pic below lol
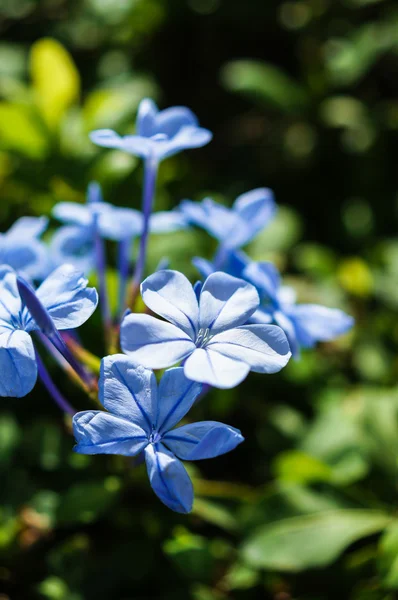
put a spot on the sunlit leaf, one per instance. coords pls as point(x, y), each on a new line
point(266, 83)
point(311, 541)
point(55, 78)
point(20, 132)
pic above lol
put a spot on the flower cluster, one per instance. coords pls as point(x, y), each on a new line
point(238, 318)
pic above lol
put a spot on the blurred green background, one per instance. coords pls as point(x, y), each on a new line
point(301, 97)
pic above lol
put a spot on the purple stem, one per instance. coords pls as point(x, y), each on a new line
point(46, 325)
point(148, 193)
point(220, 257)
point(52, 388)
point(57, 356)
point(63, 349)
point(124, 249)
point(100, 259)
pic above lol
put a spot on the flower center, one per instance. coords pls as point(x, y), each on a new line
point(204, 336)
point(155, 437)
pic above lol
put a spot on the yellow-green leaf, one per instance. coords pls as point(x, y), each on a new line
point(55, 78)
point(19, 131)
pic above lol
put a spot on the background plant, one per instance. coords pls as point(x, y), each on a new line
point(311, 114)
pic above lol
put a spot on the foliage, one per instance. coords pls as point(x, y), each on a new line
point(301, 97)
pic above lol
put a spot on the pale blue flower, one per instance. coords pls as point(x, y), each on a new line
point(232, 227)
point(304, 324)
point(160, 134)
point(142, 417)
point(209, 334)
point(68, 302)
point(74, 243)
point(22, 250)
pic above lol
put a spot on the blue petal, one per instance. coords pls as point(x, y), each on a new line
point(226, 302)
point(289, 327)
point(205, 439)
point(98, 432)
point(170, 295)
point(10, 301)
point(265, 277)
point(167, 222)
point(73, 245)
point(316, 323)
point(73, 213)
point(216, 219)
point(67, 298)
point(205, 267)
point(169, 479)
point(128, 390)
point(27, 227)
point(152, 342)
point(138, 145)
point(256, 209)
point(17, 364)
point(187, 137)
point(118, 224)
point(146, 115)
point(94, 194)
point(171, 120)
point(29, 257)
point(106, 138)
point(263, 347)
point(175, 397)
point(213, 368)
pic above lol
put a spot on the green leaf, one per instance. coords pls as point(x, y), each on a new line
point(215, 514)
point(85, 502)
point(311, 541)
point(266, 83)
point(21, 132)
point(388, 555)
point(300, 467)
point(55, 79)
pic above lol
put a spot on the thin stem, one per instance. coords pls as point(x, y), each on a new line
point(62, 348)
point(100, 259)
point(88, 358)
point(52, 388)
point(220, 257)
point(148, 193)
point(124, 249)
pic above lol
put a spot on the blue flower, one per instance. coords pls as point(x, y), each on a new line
point(209, 334)
point(160, 134)
point(69, 303)
point(232, 227)
point(75, 242)
point(304, 324)
point(234, 264)
point(141, 417)
point(22, 250)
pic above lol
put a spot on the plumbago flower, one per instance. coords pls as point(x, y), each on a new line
point(209, 333)
point(304, 324)
point(22, 250)
point(142, 417)
point(68, 303)
point(75, 242)
point(160, 134)
point(232, 227)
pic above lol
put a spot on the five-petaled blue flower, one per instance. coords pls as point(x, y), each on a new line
point(142, 417)
point(74, 243)
point(68, 301)
point(160, 134)
point(22, 250)
point(232, 227)
point(304, 324)
point(208, 333)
